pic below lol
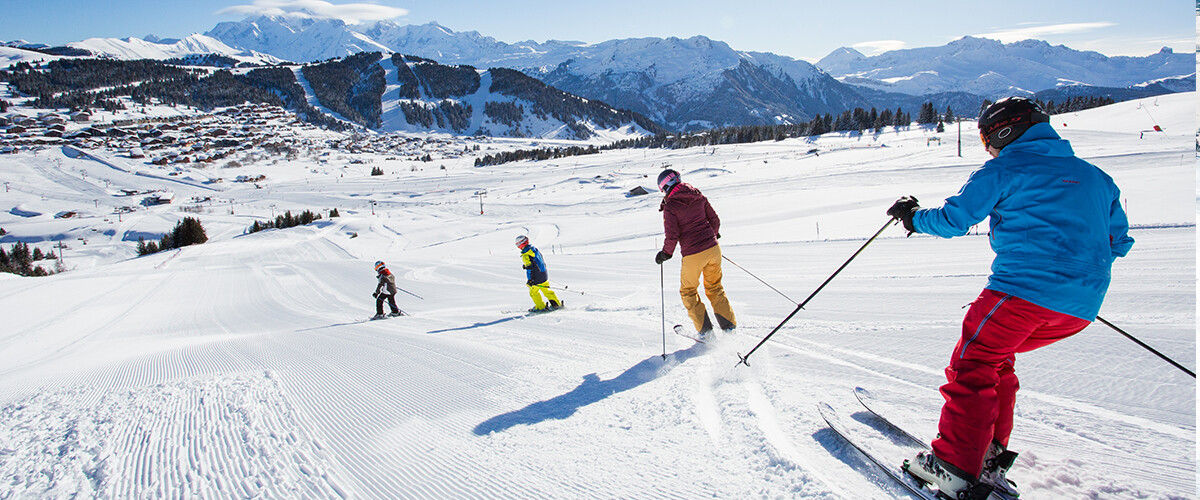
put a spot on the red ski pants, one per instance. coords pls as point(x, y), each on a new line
point(981, 386)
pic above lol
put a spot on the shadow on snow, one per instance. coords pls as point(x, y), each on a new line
point(478, 325)
point(591, 390)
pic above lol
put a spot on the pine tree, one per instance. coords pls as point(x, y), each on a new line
point(188, 231)
point(927, 115)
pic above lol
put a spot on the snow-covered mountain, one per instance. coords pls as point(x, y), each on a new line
point(298, 39)
point(992, 69)
point(684, 83)
point(697, 83)
point(155, 48)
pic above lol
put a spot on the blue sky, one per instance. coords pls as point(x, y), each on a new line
point(796, 28)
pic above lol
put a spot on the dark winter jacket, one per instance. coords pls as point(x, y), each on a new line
point(1056, 222)
point(689, 220)
point(387, 283)
point(535, 265)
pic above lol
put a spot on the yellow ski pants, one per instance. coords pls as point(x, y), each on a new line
point(536, 292)
point(708, 264)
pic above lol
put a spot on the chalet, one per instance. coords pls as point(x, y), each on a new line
point(159, 199)
point(81, 117)
point(17, 129)
point(137, 153)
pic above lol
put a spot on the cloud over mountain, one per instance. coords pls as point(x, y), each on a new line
point(350, 13)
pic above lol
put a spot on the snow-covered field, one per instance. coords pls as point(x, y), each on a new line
point(243, 368)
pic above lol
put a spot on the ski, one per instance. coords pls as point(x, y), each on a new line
point(683, 332)
point(869, 402)
point(531, 312)
point(387, 316)
point(893, 471)
point(872, 404)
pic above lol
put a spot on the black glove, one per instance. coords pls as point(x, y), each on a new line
point(376, 295)
point(718, 236)
point(527, 267)
point(529, 282)
point(661, 257)
point(903, 210)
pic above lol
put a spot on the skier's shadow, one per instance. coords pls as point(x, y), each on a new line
point(591, 390)
point(478, 325)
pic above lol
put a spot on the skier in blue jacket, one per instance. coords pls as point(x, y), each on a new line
point(1056, 227)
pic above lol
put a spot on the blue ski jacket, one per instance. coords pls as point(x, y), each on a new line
point(535, 265)
point(1056, 222)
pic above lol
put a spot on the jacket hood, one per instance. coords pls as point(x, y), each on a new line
point(1042, 140)
point(683, 193)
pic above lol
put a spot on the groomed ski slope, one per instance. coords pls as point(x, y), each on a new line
point(244, 368)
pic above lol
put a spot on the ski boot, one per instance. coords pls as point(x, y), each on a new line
point(554, 304)
point(995, 464)
point(378, 316)
point(706, 331)
point(725, 324)
point(396, 313)
point(950, 481)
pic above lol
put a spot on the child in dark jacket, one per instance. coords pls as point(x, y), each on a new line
point(385, 290)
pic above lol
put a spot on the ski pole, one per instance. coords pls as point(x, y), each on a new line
point(735, 264)
point(410, 293)
point(742, 360)
point(1148, 348)
point(564, 289)
point(662, 293)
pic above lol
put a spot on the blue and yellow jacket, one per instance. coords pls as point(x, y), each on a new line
point(535, 266)
point(1056, 222)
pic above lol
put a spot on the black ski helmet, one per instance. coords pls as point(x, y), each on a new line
point(667, 180)
point(1006, 119)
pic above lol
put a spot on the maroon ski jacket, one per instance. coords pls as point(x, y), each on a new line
point(689, 221)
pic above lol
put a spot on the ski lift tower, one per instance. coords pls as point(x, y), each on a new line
point(482, 193)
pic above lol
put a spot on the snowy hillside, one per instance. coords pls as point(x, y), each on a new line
point(243, 367)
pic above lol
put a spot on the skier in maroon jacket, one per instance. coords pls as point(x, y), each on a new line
point(690, 221)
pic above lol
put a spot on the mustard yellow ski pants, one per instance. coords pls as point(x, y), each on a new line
point(708, 264)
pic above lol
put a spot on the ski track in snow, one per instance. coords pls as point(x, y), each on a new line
point(245, 367)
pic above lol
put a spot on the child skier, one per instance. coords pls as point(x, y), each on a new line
point(385, 290)
point(536, 277)
point(1056, 228)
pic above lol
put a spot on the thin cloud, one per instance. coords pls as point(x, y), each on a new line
point(351, 13)
point(1039, 32)
point(878, 46)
